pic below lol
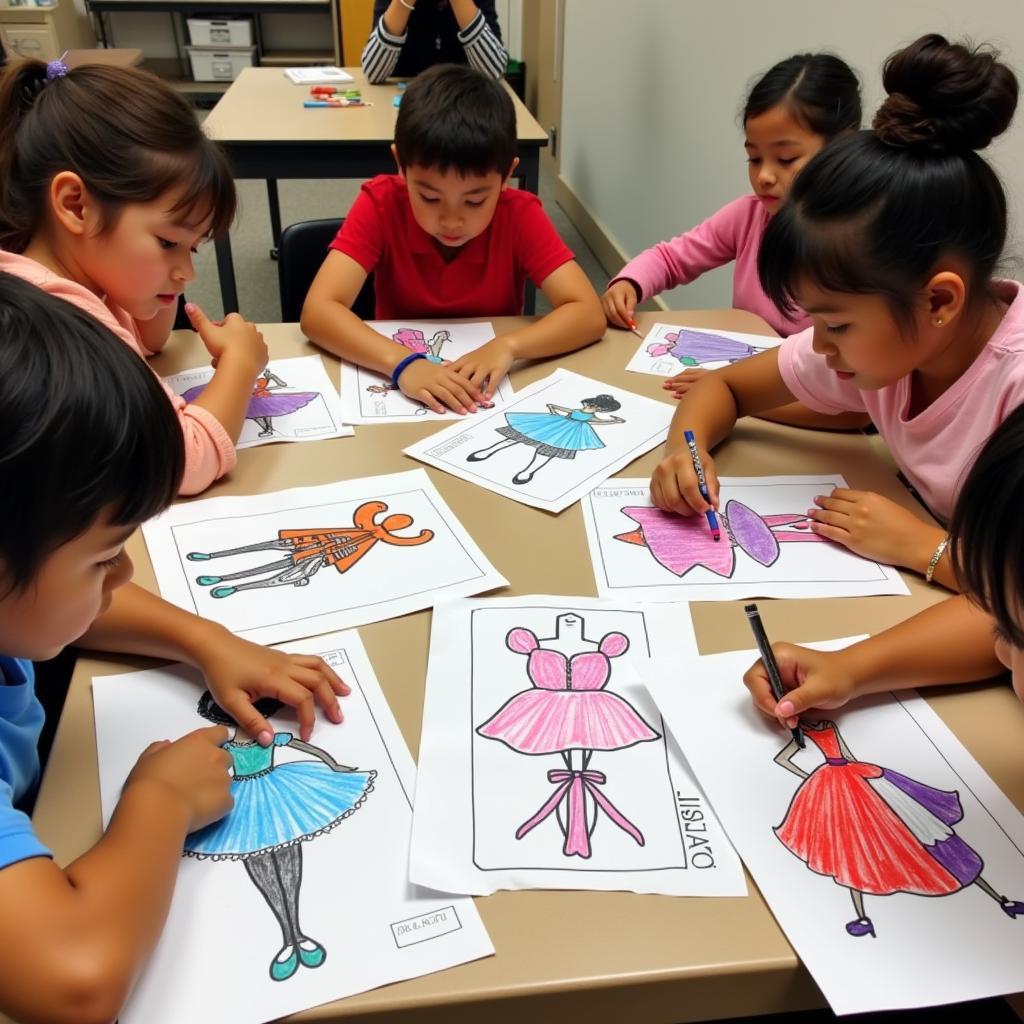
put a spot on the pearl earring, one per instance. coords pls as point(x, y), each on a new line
point(938, 321)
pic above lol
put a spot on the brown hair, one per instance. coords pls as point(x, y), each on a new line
point(129, 136)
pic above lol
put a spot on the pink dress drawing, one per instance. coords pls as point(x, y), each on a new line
point(568, 711)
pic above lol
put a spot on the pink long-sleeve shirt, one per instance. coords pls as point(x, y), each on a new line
point(734, 233)
point(209, 450)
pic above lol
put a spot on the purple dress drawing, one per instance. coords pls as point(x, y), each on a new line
point(264, 403)
point(694, 348)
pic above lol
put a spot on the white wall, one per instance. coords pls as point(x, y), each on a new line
point(651, 142)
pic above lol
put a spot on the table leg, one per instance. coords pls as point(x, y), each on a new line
point(275, 215)
point(226, 273)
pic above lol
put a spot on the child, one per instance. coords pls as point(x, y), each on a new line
point(107, 185)
point(888, 239)
point(446, 237)
point(90, 448)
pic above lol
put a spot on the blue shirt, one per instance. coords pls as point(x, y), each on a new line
point(21, 720)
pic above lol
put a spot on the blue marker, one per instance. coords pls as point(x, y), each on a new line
point(698, 468)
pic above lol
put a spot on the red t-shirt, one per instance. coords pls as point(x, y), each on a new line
point(411, 278)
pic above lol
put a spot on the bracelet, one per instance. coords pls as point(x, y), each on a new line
point(939, 552)
point(397, 371)
point(407, 6)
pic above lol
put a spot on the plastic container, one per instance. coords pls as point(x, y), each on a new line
point(220, 65)
point(220, 32)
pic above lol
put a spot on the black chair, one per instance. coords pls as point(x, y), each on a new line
point(301, 252)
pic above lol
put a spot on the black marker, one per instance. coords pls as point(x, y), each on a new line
point(761, 637)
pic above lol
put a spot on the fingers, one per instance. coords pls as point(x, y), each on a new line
point(154, 747)
point(240, 707)
point(296, 696)
point(340, 687)
point(215, 734)
point(196, 317)
point(612, 312)
point(424, 396)
point(318, 684)
point(711, 479)
point(756, 681)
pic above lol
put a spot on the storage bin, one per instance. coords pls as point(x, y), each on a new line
point(220, 65)
point(220, 32)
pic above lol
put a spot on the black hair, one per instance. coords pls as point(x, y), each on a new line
point(820, 91)
point(85, 427)
point(874, 211)
point(455, 116)
point(603, 403)
point(986, 533)
point(209, 709)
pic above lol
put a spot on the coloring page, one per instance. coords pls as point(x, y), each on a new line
point(292, 400)
point(558, 439)
point(892, 862)
point(300, 894)
point(368, 397)
point(339, 555)
point(543, 762)
point(766, 548)
point(669, 349)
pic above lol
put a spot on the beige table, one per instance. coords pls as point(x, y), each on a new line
point(567, 956)
point(268, 134)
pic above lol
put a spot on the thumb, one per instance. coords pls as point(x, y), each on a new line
point(239, 706)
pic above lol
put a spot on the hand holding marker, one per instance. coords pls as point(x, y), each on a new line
point(698, 468)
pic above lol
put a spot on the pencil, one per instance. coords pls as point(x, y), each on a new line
point(636, 330)
point(770, 665)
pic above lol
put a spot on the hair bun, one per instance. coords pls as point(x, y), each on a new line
point(945, 96)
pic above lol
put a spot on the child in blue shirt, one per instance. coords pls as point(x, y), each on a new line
point(89, 448)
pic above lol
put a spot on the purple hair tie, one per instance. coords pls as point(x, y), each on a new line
point(57, 68)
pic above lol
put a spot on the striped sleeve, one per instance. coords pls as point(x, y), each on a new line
point(381, 53)
point(483, 47)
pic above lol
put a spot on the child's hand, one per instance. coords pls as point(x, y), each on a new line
point(239, 672)
point(813, 679)
point(192, 769)
point(487, 365)
point(437, 386)
point(682, 382)
point(619, 304)
point(674, 484)
point(234, 335)
point(874, 527)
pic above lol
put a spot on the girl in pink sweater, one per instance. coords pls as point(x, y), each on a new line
point(107, 185)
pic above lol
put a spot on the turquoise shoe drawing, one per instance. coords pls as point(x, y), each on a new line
point(282, 970)
point(311, 957)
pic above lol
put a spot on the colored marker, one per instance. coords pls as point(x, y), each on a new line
point(333, 90)
point(636, 330)
point(335, 103)
point(770, 665)
point(698, 468)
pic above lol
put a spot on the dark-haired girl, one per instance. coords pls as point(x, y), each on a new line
point(889, 240)
point(107, 185)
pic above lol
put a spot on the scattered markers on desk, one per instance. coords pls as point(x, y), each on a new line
point(844, 860)
point(670, 349)
point(386, 545)
point(767, 549)
point(292, 400)
point(300, 894)
point(571, 780)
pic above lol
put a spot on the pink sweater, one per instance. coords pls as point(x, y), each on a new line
point(937, 447)
point(209, 451)
point(733, 233)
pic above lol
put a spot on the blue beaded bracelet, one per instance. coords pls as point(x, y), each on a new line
point(397, 371)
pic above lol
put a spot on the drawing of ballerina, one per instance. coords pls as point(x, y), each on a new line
point(416, 341)
point(265, 403)
point(681, 542)
point(309, 550)
point(568, 711)
point(558, 433)
point(875, 831)
point(277, 808)
point(694, 348)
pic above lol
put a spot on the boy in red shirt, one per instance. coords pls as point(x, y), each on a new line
point(446, 237)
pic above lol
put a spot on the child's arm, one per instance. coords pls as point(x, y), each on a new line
point(327, 319)
point(951, 642)
point(576, 319)
point(75, 939)
point(238, 672)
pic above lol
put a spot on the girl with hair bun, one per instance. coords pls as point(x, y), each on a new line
point(889, 240)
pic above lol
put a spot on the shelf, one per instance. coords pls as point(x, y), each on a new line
point(295, 58)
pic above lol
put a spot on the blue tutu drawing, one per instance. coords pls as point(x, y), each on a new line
point(278, 808)
point(558, 433)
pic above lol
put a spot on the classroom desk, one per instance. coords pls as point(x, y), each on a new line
point(266, 132)
point(567, 956)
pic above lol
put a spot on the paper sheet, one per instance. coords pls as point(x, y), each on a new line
point(293, 400)
point(560, 437)
point(910, 813)
point(295, 563)
point(368, 397)
point(641, 553)
point(527, 782)
point(669, 349)
point(363, 924)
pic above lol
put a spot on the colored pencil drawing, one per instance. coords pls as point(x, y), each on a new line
point(416, 341)
point(875, 831)
point(277, 808)
point(696, 348)
point(309, 550)
point(559, 433)
point(380, 394)
point(568, 711)
point(679, 543)
point(268, 401)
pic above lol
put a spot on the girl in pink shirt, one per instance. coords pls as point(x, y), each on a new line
point(107, 185)
point(888, 240)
